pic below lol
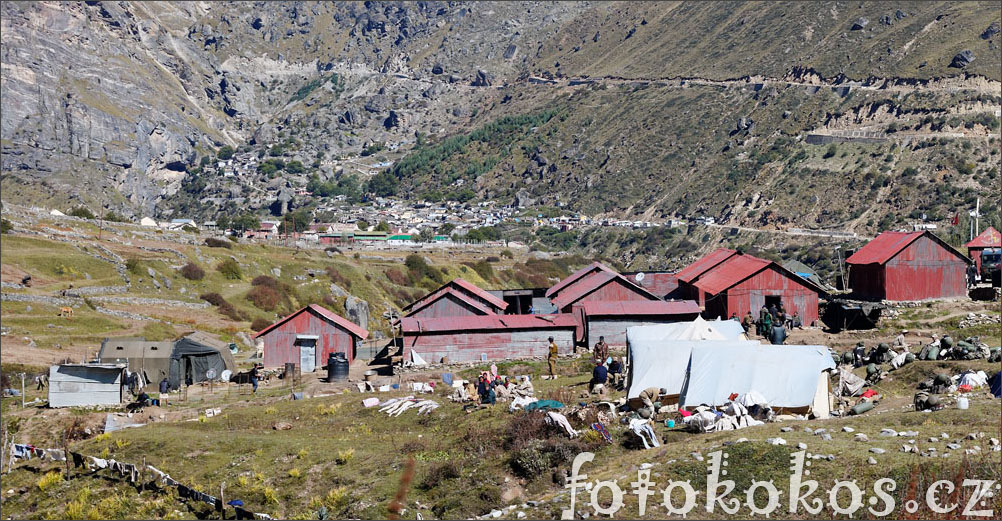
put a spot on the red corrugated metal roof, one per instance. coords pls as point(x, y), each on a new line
point(701, 266)
point(595, 266)
point(465, 286)
point(352, 327)
point(989, 238)
point(659, 284)
point(482, 293)
point(640, 307)
point(449, 290)
point(591, 283)
point(730, 272)
point(883, 247)
point(486, 322)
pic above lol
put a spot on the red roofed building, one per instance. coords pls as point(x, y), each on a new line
point(601, 284)
point(456, 298)
point(741, 283)
point(590, 269)
point(989, 238)
point(308, 336)
point(610, 319)
point(688, 275)
point(907, 266)
point(490, 337)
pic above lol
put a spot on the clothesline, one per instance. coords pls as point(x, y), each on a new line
point(128, 471)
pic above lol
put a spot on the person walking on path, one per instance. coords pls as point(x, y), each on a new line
point(254, 377)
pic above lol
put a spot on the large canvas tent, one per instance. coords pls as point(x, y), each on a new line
point(790, 377)
point(150, 358)
point(655, 362)
point(196, 353)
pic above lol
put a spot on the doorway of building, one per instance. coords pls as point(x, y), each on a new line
point(773, 300)
point(307, 354)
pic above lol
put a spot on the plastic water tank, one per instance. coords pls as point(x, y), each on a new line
point(337, 367)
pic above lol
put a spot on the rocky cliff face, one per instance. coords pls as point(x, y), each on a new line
point(114, 102)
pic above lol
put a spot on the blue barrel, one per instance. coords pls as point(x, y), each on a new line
point(337, 367)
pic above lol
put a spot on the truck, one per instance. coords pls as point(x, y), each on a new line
point(990, 269)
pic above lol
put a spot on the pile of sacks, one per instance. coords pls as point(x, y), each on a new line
point(970, 349)
point(397, 406)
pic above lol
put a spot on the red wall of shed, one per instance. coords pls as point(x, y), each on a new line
point(925, 270)
point(280, 343)
point(501, 344)
point(749, 295)
point(614, 290)
point(447, 306)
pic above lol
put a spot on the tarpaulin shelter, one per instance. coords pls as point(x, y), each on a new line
point(793, 378)
point(664, 363)
point(85, 385)
point(612, 319)
point(196, 353)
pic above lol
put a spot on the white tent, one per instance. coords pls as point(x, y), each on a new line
point(697, 329)
point(57, 213)
point(787, 376)
point(146, 221)
point(655, 362)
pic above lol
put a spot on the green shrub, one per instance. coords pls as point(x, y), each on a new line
point(264, 297)
point(213, 242)
point(5, 226)
point(82, 212)
point(507, 254)
point(230, 269)
point(132, 264)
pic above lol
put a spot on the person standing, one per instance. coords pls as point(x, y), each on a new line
point(254, 374)
point(762, 314)
point(767, 325)
point(601, 351)
point(551, 359)
point(164, 390)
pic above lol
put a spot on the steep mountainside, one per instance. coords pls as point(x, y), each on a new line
point(614, 108)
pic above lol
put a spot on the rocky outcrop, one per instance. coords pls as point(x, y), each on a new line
point(357, 311)
point(860, 24)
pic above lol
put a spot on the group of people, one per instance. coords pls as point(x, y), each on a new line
point(490, 388)
point(606, 368)
point(773, 322)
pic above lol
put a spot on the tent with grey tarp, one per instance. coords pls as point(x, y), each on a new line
point(84, 385)
point(794, 377)
point(150, 358)
point(194, 355)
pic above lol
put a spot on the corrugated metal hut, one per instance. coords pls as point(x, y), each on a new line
point(308, 336)
point(85, 385)
point(491, 337)
point(601, 285)
point(744, 283)
point(989, 238)
point(457, 297)
point(449, 302)
point(152, 359)
point(611, 319)
point(907, 266)
point(691, 273)
point(660, 283)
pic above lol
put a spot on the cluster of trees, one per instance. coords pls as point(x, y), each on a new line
point(271, 166)
point(485, 233)
point(346, 185)
point(240, 223)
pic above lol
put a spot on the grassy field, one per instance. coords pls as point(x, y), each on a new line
point(350, 459)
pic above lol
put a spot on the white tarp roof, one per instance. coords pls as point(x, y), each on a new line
point(697, 329)
point(82, 385)
point(655, 362)
point(786, 375)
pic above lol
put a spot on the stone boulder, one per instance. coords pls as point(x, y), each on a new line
point(860, 24)
point(482, 79)
point(962, 59)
